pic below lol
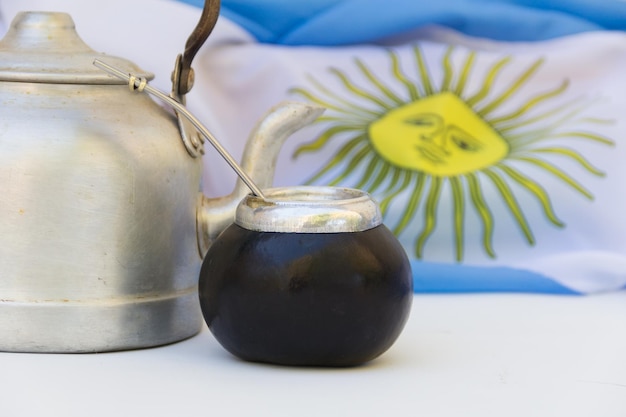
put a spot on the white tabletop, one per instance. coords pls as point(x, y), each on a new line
point(459, 356)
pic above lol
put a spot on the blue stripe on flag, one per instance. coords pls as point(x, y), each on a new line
point(334, 22)
point(429, 277)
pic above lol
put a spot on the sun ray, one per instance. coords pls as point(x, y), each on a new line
point(488, 82)
point(414, 94)
point(570, 153)
point(338, 158)
point(597, 120)
point(584, 135)
point(556, 172)
point(369, 172)
point(381, 87)
point(529, 137)
point(413, 203)
point(383, 174)
point(343, 120)
point(335, 119)
point(521, 143)
point(484, 112)
point(534, 101)
point(323, 139)
point(447, 70)
point(430, 216)
point(483, 211)
point(354, 162)
point(393, 182)
point(359, 91)
point(534, 188)
point(512, 204)
point(394, 190)
point(423, 71)
point(458, 200)
point(465, 72)
point(547, 114)
point(349, 107)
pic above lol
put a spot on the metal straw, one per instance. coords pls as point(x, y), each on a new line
point(140, 84)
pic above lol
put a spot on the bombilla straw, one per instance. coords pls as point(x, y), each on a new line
point(140, 84)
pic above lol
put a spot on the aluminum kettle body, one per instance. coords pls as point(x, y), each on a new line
point(102, 225)
point(98, 246)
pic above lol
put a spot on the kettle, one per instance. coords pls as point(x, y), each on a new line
point(102, 225)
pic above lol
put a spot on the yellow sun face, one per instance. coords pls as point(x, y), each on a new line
point(410, 141)
point(440, 135)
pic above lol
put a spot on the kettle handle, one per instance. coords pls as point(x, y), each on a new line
point(183, 76)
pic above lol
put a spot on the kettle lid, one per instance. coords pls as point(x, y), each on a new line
point(45, 47)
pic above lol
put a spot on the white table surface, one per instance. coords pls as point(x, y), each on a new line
point(459, 356)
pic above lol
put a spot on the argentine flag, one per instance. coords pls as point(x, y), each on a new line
point(492, 132)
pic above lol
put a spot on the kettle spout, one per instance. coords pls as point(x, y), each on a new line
point(258, 161)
